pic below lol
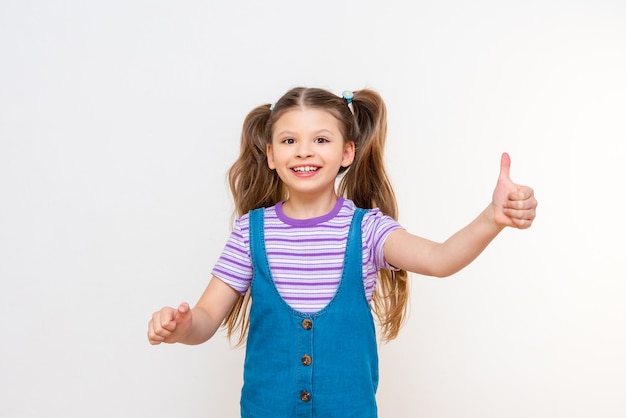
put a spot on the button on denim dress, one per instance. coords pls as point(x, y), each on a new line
point(298, 365)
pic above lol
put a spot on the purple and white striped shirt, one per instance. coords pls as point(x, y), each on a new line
point(306, 255)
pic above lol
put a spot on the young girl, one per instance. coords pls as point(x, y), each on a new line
point(306, 264)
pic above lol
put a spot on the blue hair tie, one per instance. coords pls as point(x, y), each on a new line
point(348, 96)
point(272, 106)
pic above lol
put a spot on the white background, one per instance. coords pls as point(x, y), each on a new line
point(119, 119)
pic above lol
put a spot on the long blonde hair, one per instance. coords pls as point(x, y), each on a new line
point(365, 182)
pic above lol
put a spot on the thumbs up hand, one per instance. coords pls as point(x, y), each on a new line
point(514, 205)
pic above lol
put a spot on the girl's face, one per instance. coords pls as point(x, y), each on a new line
point(307, 150)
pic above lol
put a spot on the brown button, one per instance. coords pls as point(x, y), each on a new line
point(305, 396)
point(307, 360)
point(307, 324)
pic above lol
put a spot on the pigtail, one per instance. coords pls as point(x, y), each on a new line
point(253, 185)
point(366, 183)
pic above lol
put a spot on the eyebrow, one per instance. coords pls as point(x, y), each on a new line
point(316, 133)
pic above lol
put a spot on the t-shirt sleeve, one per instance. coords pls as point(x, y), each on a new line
point(234, 266)
point(376, 229)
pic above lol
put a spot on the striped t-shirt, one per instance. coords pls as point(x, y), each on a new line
point(306, 255)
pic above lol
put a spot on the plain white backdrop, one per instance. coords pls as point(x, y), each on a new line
point(119, 119)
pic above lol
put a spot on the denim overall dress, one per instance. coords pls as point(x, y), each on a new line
point(323, 364)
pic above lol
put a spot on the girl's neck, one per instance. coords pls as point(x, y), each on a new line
point(305, 207)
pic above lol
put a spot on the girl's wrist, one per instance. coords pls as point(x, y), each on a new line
point(491, 218)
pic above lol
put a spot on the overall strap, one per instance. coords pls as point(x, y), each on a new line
point(257, 241)
point(354, 246)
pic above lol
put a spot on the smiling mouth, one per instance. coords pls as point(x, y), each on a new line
point(306, 169)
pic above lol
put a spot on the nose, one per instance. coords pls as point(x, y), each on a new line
point(304, 150)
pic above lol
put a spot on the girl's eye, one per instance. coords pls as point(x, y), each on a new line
point(321, 140)
point(289, 141)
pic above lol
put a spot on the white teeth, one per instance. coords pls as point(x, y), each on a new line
point(305, 169)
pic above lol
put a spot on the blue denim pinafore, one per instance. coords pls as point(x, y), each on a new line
point(300, 365)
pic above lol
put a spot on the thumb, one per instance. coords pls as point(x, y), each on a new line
point(181, 312)
point(505, 167)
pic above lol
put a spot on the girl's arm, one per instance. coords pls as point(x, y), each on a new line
point(197, 325)
point(512, 205)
